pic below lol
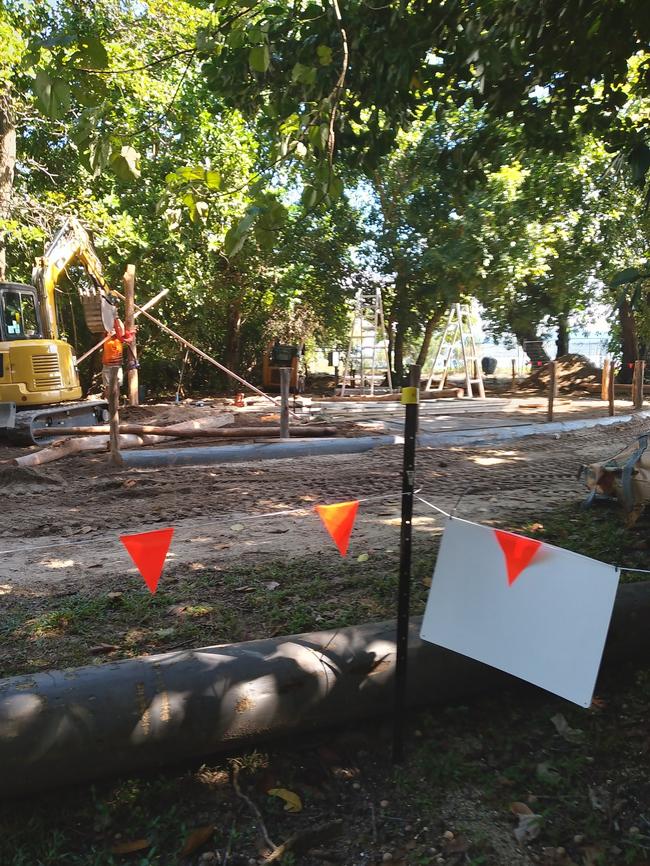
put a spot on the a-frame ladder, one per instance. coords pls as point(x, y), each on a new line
point(367, 340)
point(458, 331)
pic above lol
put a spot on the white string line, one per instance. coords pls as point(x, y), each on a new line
point(431, 505)
point(619, 567)
point(303, 510)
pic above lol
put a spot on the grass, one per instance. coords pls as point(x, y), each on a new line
point(243, 602)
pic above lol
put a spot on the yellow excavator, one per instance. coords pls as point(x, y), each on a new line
point(39, 383)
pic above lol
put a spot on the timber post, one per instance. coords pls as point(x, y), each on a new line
point(604, 380)
point(128, 282)
point(285, 387)
point(552, 389)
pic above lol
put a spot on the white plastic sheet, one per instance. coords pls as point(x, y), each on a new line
point(548, 626)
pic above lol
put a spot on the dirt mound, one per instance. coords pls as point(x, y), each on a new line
point(573, 372)
point(164, 414)
point(11, 475)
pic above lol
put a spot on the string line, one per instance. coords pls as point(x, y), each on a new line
point(269, 515)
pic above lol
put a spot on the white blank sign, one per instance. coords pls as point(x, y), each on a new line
point(548, 627)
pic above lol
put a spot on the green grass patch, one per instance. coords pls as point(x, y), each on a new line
point(238, 601)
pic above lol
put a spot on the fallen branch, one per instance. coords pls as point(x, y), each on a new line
point(69, 446)
point(305, 840)
point(235, 783)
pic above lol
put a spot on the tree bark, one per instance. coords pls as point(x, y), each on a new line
point(233, 335)
point(629, 341)
point(426, 341)
point(536, 351)
point(562, 341)
point(7, 166)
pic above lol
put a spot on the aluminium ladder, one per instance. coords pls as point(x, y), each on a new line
point(459, 329)
point(368, 341)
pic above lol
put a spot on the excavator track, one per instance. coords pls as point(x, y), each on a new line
point(54, 417)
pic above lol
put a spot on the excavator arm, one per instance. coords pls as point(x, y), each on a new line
point(72, 244)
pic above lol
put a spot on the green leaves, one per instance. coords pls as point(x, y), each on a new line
point(324, 53)
point(628, 275)
point(53, 96)
point(303, 74)
point(259, 58)
point(266, 215)
point(92, 52)
point(125, 163)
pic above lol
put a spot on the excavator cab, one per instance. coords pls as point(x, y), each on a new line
point(20, 316)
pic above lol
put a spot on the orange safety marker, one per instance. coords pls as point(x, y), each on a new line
point(148, 551)
point(518, 551)
point(338, 520)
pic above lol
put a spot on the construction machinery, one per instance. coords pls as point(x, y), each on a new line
point(276, 356)
point(39, 383)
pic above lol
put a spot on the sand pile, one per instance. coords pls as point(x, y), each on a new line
point(573, 372)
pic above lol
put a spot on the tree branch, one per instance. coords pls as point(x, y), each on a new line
point(337, 92)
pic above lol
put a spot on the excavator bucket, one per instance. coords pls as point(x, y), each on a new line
point(99, 313)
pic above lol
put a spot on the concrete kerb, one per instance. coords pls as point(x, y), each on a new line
point(487, 435)
point(214, 454)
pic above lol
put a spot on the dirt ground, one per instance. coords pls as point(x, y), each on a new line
point(63, 520)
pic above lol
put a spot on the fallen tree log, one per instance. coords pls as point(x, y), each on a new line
point(191, 433)
point(59, 727)
point(97, 441)
point(69, 446)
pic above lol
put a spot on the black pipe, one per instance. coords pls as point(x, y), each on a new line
point(84, 723)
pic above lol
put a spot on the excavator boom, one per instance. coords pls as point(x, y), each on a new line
point(72, 244)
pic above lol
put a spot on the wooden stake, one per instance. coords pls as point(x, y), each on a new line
point(285, 387)
point(410, 399)
point(637, 390)
point(633, 391)
point(552, 387)
point(610, 388)
point(604, 382)
point(513, 361)
point(128, 281)
point(114, 410)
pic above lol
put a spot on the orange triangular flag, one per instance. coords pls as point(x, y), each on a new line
point(148, 551)
point(338, 520)
point(518, 552)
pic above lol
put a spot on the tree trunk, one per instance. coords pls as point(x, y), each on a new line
point(7, 164)
point(629, 342)
point(562, 341)
point(426, 341)
point(233, 335)
point(532, 346)
point(398, 350)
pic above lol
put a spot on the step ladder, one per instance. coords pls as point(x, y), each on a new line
point(458, 332)
point(367, 354)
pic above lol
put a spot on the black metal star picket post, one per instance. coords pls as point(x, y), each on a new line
point(410, 399)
